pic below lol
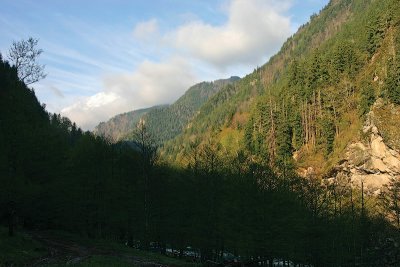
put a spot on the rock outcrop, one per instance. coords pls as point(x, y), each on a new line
point(371, 162)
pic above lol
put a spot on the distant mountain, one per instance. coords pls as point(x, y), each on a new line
point(118, 127)
point(164, 122)
point(167, 122)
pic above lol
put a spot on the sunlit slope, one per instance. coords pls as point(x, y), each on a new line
point(309, 101)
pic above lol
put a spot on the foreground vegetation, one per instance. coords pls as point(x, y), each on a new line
point(57, 248)
point(19, 249)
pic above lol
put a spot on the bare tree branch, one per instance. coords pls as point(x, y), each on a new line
point(23, 55)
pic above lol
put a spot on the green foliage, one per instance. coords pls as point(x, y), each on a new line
point(375, 31)
point(328, 129)
point(284, 141)
point(297, 132)
point(393, 80)
point(367, 97)
point(248, 134)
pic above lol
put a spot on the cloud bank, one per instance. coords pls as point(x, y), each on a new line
point(254, 30)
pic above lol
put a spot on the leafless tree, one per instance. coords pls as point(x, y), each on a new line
point(23, 55)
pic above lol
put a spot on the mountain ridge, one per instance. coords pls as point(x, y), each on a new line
point(163, 121)
point(117, 127)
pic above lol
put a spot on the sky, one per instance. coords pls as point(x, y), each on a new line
point(105, 57)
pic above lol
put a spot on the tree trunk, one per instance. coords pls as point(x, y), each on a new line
point(11, 219)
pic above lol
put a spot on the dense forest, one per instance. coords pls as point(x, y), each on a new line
point(229, 185)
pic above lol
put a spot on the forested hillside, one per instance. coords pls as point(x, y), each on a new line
point(53, 174)
point(309, 101)
point(164, 122)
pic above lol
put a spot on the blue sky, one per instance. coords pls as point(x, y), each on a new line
point(106, 57)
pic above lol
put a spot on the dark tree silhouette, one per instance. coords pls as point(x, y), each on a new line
point(148, 153)
point(23, 55)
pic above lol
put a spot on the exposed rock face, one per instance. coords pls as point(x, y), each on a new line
point(371, 162)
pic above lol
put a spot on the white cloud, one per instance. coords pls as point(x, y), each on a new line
point(100, 99)
point(255, 29)
point(151, 84)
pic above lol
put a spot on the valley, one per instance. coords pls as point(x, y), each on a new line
point(295, 164)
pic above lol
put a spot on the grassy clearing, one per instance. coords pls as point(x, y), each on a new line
point(19, 249)
point(97, 260)
point(25, 249)
point(121, 253)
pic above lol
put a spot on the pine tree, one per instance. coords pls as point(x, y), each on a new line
point(367, 97)
point(393, 80)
